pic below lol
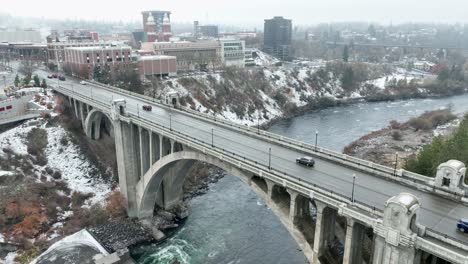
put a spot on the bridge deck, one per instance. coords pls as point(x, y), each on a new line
point(437, 213)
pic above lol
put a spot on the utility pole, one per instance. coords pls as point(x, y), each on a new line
point(170, 122)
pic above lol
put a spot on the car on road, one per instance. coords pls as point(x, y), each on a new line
point(462, 225)
point(306, 161)
point(55, 75)
point(147, 108)
point(50, 76)
point(62, 78)
point(83, 83)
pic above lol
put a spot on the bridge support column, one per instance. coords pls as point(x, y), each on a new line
point(161, 142)
point(150, 138)
point(270, 186)
point(293, 210)
point(75, 105)
point(172, 146)
point(319, 231)
point(82, 115)
point(348, 247)
point(353, 242)
point(127, 163)
point(142, 165)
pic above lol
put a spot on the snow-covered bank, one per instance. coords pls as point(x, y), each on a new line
point(74, 165)
point(62, 155)
point(258, 95)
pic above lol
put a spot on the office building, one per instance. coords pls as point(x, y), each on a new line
point(277, 37)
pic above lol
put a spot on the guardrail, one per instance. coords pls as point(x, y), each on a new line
point(451, 240)
point(402, 176)
point(253, 166)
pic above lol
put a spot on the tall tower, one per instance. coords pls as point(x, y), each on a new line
point(150, 25)
point(166, 28)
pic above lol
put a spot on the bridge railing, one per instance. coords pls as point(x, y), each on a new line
point(400, 175)
point(444, 237)
point(256, 168)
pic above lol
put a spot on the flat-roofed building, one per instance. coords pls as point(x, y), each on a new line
point(190, 55)
point(233, 53)
point(201, 55)
point(82, 60)
point(157, 65)
point(56, 50)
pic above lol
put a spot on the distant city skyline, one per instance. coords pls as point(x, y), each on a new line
point(249, 13)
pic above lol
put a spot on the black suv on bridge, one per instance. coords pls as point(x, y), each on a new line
point(307, 161)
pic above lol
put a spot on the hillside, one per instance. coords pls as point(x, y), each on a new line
point(258, 95)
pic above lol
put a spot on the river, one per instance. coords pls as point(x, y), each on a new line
point(230, 224)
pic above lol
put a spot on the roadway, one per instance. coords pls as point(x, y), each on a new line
point(437, 213)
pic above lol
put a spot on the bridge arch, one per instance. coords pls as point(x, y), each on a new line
point(169, 173)
point(96, 123)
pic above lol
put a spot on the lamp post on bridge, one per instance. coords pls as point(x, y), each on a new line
point(212, 137)
point(352, 192)
point(269, 158)
point(258, 123)
point(396, 164)
point(170, 122)
point(316, 139)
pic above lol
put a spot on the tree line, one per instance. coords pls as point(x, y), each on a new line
point(441, 150)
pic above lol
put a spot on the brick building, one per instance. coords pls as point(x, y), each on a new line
point(157, 65)
point(82, 60)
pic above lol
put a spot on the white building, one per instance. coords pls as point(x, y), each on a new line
point(233, 53)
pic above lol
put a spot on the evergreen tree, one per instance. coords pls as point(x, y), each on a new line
point(346, 53)
point(106, 76)
point(441, 150)
point(17, 80)
point(37, 81)
point(444, 74)
point(347, 80)
point(96, 73)
point(44, 84)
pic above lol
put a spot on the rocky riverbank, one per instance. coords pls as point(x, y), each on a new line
point(399, 141)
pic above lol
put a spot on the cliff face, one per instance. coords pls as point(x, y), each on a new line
point(248, 96)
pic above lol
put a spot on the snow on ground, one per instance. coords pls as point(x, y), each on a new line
point(382, 82)
point(2, 238)
point(6, 173)
point(10, 258)
point(14, 139)
point(264, 59)
point(74, 166)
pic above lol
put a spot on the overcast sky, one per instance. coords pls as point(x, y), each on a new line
point(248, 12)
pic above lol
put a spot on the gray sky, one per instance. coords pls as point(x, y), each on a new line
point(248, 12)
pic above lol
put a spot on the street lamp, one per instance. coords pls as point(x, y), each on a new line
point(258, 123)
point(138, 110)
point(316, 139)
point(352, 192)
point(396, 163)
point(269, 158)
point(212, 137)
point(170, 122)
